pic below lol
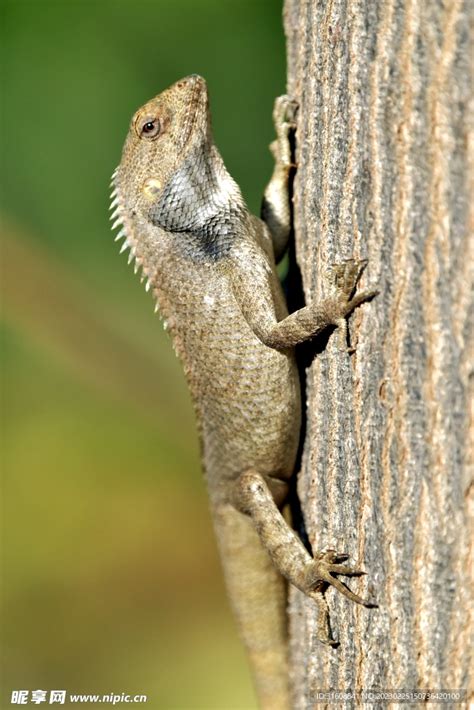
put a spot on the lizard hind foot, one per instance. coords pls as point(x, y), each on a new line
point(321, 573)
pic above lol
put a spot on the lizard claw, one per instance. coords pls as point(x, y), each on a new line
point(321, 571)
point(343, 277)
point(347, 571)
point(332, 556)
point(284, 119)
point(346, 275)
point(318, 575)
point(284, 111)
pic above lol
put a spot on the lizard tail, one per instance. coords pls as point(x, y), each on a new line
point(258, 598)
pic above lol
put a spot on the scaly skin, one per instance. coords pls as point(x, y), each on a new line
point(211, 267)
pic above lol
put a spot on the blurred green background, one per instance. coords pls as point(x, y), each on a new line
point(111, 578)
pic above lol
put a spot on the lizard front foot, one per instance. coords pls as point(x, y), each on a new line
point(284, 119)
point(344, 277)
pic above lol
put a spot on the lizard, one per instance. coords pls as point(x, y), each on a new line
point(211, 266)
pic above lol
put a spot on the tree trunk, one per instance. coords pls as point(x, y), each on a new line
point(382, 157)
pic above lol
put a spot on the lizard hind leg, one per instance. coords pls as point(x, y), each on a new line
point(253, 496)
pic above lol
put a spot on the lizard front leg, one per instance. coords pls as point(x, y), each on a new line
point(276, 208)
point(308, 321)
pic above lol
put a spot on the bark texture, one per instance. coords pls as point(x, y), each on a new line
point(382, 153)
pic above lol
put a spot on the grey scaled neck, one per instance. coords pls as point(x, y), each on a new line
point(203, 203)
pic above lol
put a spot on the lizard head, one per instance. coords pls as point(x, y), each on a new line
point(161, 134)
point(171, 175)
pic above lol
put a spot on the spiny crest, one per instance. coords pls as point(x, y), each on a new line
point(118, 218)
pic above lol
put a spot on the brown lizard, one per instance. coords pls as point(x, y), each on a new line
point(210, 265)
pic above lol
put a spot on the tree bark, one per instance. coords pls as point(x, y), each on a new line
point(382, 173)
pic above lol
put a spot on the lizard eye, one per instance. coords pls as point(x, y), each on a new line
point(151, 128)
